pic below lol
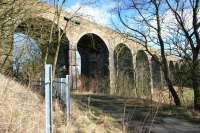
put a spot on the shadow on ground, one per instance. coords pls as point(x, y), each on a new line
point(139, 115)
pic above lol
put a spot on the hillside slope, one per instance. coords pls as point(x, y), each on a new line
point(22, 111)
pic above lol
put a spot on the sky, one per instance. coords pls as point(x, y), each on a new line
point(100, 11)
point(25, 49)
point(96, 11)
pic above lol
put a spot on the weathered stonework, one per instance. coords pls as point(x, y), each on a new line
point(74, 34)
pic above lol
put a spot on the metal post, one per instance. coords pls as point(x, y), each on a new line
point(67, 81)
point(71, 63)
point(151, 76)
point(63, 92)
point(75, 67)
point(48, 98)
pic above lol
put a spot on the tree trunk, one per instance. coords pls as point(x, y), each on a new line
point(196, 95)
point(56, 59)
point(195, 85)
point(45, 55)
point(169, 84)
point(166, 73)
point(164, 60)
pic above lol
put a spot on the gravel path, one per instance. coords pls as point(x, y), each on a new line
point(137, 115)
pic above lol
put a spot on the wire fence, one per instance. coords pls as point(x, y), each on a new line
point(58, 88)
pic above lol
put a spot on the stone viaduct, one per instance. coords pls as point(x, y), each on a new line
point(111, 62)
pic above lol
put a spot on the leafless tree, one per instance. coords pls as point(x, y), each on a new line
point(142, 20)
point(59, 8)
point(10, 12)
point(187, 45)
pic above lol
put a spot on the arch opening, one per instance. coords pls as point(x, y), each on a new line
point(172, 71)
point(26, 56)
point(176, 73)
point(39, 29)
point(143, 76)
point(94, 63)
point(156, 73)
point(124, 71)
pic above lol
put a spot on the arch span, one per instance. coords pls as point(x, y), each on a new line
point(143, 76)
point(172, 71)
point(94, 63)
point(156, 72)
point(124, 70)
point(40, 29)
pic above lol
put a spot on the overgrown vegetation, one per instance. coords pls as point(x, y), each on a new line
point(22, 110)
point(145, 90)
point(171, 26)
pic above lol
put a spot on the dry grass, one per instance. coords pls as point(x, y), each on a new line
point(163, 96)
point(85, 121)
point(22, 111)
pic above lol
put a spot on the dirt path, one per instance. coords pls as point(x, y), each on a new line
point(137, 114)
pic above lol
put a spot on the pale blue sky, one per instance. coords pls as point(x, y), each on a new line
point(98, 11)
point(25, 49)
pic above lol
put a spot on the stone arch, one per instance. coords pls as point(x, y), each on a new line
point(94, 63)
point(39, 29)
point(103, 36)
point(172, 71)
point(124, 70)
point(176, 73)
point(156, 72)
point(185, 74)
point(143, 76)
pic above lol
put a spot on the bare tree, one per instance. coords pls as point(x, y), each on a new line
point(10, 16)
point(10, 12)
point(59, 8)
point(142, 21)
point(186, 15)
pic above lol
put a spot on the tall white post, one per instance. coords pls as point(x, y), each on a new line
point(68, 108)
point(48, 98)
